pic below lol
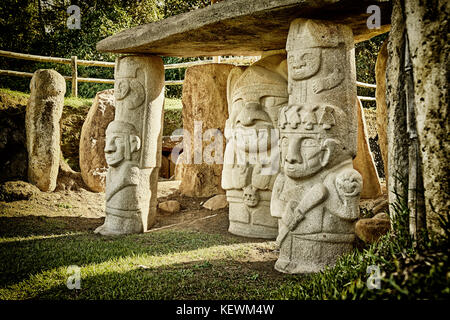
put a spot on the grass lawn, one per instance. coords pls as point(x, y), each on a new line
point(167, 264)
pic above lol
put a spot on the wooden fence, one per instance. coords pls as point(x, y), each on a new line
point(74, 62)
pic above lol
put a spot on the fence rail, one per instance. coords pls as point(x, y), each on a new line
point(74, 62)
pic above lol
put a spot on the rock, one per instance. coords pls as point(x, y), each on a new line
point(204, 108)
point(216, 202)
point(363, 163)
point(382, 216)
point(256, 95)
point(133, 146)
point(171, 206)
point(68, 179)
point(380, 94)
point(316, 196)
point(17, 190)
point(42, 123)
point(370, 230)
point(92, 141)
point(229, 28)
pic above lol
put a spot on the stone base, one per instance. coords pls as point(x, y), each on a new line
point(311, 255)
point(119, 225)
point(253, 222)
point(252, 231)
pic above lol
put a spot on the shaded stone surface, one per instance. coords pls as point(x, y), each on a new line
point(370, 230)
point(92, 141)
point(133, 146)
point(205, 111)
point(42, 124)
point(241, 27)
point(364, 163)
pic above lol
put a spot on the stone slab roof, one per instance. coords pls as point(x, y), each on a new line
point(241, 27)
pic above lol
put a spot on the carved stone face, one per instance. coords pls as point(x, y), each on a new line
point(129, 93)
point(254, 119)
point(250, 197)
point(304, 63)
point(115, 149)
point(301, 156)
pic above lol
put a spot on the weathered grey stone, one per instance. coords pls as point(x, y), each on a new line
point(217, 202)
point(255, 96)
point(241, 27)
point(133, 146)
point(205, 111)
point(370, 230)
point(316, 195)
point(42, 123)
point(382, 116)
point(363, 162)
point(170, 206)
point(92, 141)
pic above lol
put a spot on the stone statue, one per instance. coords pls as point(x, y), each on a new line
point(316, 195)
point(133, 146)
point(255, 96)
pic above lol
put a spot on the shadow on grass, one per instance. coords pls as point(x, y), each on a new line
point(47, 243)
point(44, 226)
point(211, 279)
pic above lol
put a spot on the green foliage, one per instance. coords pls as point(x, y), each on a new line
point(366, 53)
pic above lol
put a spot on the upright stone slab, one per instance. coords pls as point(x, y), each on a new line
point(93, 164)
point(133, 146)
point(255, 96)
point(316, 196)
point(43, 114)
point(205, 111)
point(363, 162)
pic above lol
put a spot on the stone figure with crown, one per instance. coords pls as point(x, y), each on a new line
point(316, 195)
point(133, 146)
point(251, 162)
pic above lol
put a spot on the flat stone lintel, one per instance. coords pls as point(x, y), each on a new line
point(241, 27)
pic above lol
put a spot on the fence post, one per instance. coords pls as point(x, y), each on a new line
point(74, 77)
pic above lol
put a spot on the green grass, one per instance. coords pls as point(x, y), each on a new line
point(18, 97)
point(158, 265)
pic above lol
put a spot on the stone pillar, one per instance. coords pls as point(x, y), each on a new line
point(205, 111)
point(316, 195)
point(255, 97)
point(43, 115)
point(133, 146)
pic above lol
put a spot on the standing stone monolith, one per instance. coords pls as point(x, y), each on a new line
point(316, 195)
point(133, 146)
point(42, 123)
point(205, 111)
point(93, 164)
point(251, 162)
